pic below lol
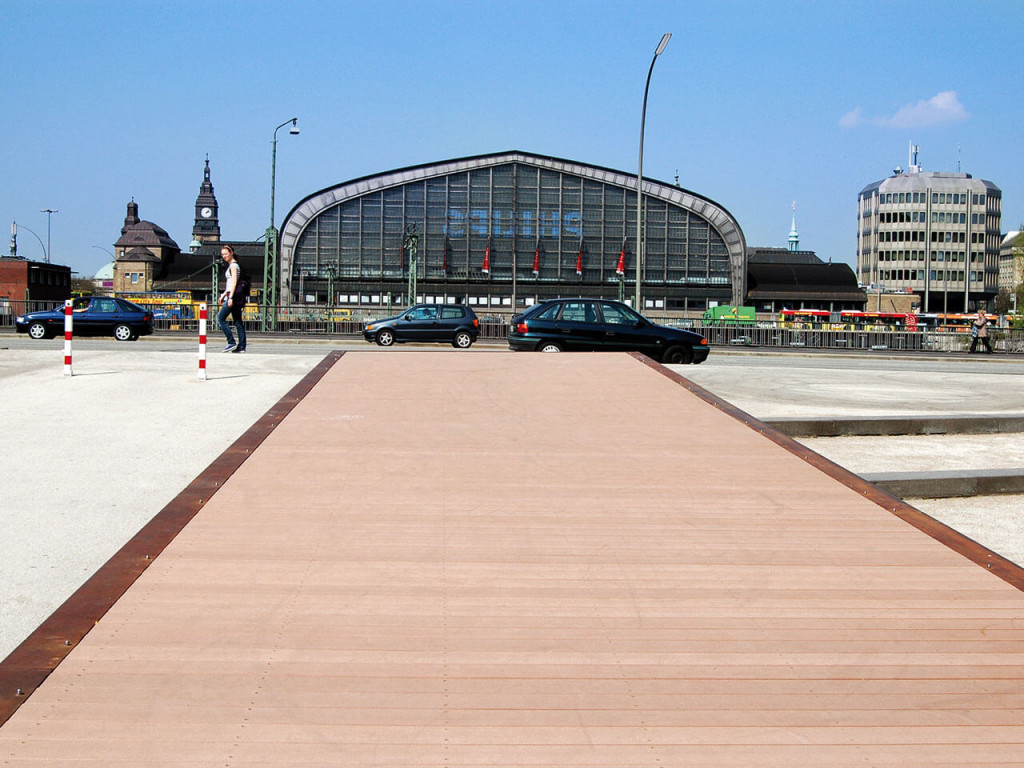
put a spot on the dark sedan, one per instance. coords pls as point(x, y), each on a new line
point(92, 316)
point(454, 324)
point(601, 325)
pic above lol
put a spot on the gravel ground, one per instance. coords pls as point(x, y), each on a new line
point(93, 457)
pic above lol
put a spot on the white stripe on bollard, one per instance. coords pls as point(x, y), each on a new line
point(202, 342)
point(68, 329)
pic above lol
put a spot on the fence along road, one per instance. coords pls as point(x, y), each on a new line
point(457, 569)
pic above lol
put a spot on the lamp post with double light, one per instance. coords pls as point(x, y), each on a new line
point(640, 178)
point(268, 314)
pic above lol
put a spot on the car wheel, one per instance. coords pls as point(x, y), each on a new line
point(122, 332)
point(549, 346)
point(385, 338)
point(462, 340)
point(38, 331)
point(677, 355)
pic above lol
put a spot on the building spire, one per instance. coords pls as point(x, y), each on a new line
point(794, 237)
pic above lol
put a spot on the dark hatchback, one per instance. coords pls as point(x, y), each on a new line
point(601, 325)
point(454, 324)
point(91, 316)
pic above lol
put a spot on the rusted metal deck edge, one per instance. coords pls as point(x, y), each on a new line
point(1005, 569)
point(28, 665)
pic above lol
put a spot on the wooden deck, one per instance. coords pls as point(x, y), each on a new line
point(484, 559)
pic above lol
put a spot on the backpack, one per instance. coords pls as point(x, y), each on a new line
point(244, 284)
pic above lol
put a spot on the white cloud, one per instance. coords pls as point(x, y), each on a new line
point(852, 119)
point(943, 107)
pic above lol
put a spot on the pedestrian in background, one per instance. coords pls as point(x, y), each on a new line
point(232, 301)
point(979, 332)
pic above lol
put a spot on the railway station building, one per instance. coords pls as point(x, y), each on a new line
point(503, 231)
point(506, 230)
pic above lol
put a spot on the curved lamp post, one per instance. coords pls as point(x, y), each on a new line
point(15, 226)
point(640, 177)
point(268, 318)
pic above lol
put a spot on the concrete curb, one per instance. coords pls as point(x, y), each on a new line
point(909, 425)
point(948, 484)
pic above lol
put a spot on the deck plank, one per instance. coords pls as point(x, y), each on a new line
point(468, 559)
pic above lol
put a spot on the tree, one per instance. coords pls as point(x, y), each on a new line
point(1004, 302)
point(1017, 270)
point(83, 286)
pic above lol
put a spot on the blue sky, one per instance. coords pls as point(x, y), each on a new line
point(753, 104)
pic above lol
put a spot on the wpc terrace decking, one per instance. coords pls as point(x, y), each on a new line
point(472, 559)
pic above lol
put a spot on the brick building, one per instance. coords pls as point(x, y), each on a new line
point(24, 280)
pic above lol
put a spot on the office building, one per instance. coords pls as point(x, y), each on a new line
point(933, 234)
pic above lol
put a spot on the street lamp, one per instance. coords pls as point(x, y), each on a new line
point(270, 266)
point(411, 244)
point(49, 214)
point(14, 235)
point(640, 176)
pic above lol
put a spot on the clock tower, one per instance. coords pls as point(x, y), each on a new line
point(207, 226)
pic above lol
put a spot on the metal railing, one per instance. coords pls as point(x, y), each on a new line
point(326, 321)
point(772, 335)
point(11, 308)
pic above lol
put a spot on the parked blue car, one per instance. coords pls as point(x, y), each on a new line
point(92, 316)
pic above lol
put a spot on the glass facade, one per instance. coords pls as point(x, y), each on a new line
point(539, 232)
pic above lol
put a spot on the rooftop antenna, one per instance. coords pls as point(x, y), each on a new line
point(958, 157)
point(794, 237)
point(914, 167)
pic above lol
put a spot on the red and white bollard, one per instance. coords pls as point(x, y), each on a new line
point(202, 342)
point(68, 328)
